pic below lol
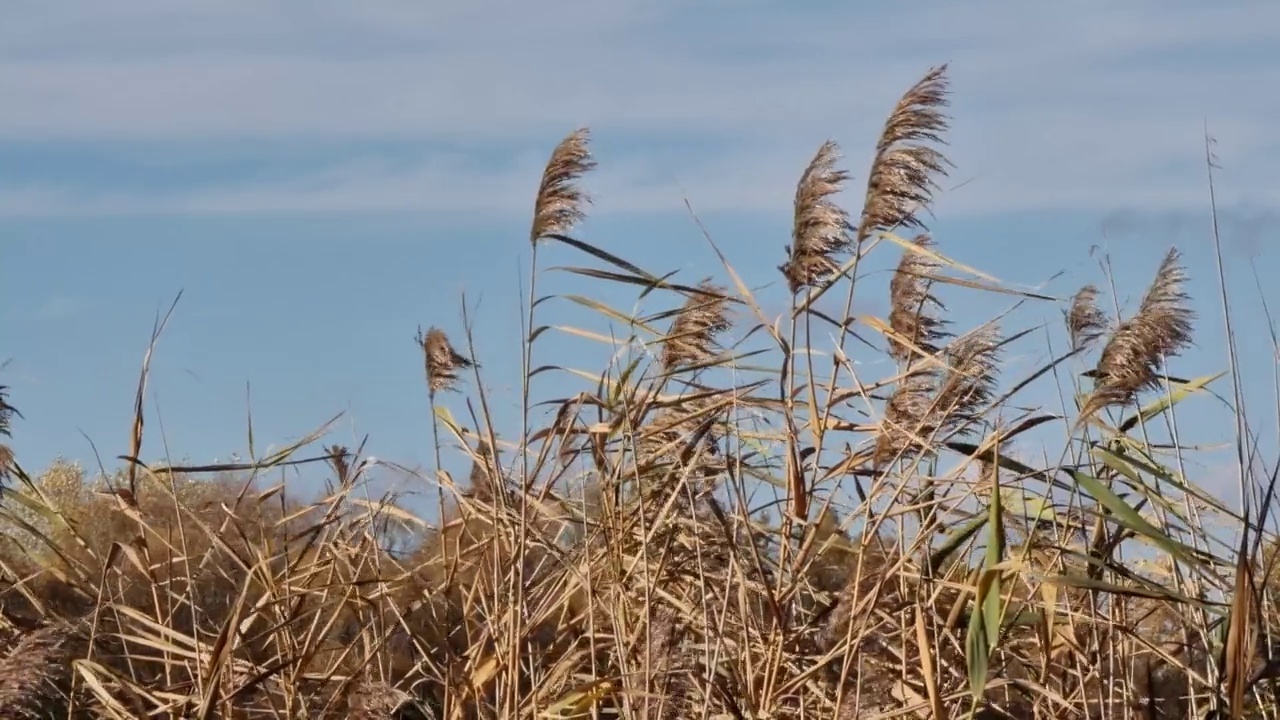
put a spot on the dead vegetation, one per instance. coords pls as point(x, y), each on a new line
point(621, 563)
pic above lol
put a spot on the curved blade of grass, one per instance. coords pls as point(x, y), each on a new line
point(658, 283)
point(934, 255)
point(1168, 400)
point(607, 311)
point(1154, 592)
point(578, 702)
point(609, 340)
point(984, 626)
point(1129, 518)
point(606, 256)
point(1144, 462)
point(956, 540)
point(1129, 472)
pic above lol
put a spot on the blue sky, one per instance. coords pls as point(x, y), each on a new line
point(320, 178)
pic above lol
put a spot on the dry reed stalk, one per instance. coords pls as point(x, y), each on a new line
point(442, 361)
point(561, 201)
point(692, 339)
point(902, 173)
point(913, 307)
point(1160, 329)
point(821, 228)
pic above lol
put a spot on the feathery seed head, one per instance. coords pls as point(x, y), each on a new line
point(561, 202)
point(692, 338)
point(484, 474)
point(902, 174)
point(970, 379)
point(442, 361)
point(820, 228)
point(907, 418)
point(1086, 322)
point(1160, 329)
point(912, 312)
point(25, 669)
point(684, 435)
point(339, 460)
point(7, 413)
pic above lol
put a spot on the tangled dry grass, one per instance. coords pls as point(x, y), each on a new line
point(621, 564)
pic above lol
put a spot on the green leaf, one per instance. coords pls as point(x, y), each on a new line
point(1131, 519)
point(1084, 582)
point(984, 626)
point(1168, 400)
point(608, 312)
point(977, 655)
point(991, 602)
point(955, 540)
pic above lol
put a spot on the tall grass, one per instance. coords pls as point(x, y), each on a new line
point(621, 562)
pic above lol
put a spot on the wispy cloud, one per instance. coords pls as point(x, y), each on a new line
point(57, 307)
point(1092, 105)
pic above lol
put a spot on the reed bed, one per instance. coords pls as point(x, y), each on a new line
point(617, 560)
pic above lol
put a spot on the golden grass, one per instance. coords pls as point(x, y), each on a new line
point(621, 561)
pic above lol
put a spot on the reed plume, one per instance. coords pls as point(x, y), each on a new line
point(25, 672)
point(908, 418)
point(484, 475)
point(686, 435)
point(442, 361)
point(820, 228)
point(7, 413)
point(692, 339)
point(902, 173)
point(1160, 329)
point(340, 460)
point(1086, 322)
point(969, 382)
point(561, 201)
point(916, 327)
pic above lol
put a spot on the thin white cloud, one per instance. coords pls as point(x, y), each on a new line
point(1090, 105)
point(57, 307)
